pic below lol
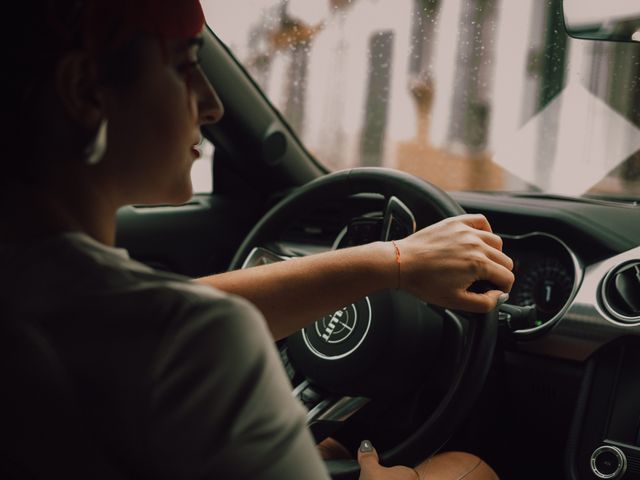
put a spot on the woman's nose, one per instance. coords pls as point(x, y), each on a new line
point(210, 108)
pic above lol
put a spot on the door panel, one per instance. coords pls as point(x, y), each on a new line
point(194, 239)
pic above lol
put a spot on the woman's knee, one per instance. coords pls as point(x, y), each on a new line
point(455, 466)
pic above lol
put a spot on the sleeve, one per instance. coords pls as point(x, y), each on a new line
point(221, 404)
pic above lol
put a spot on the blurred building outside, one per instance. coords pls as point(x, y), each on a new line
point(437, 87)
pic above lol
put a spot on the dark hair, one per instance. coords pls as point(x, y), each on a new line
point(39, 33)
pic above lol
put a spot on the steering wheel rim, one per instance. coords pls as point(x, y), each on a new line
point(429, 204)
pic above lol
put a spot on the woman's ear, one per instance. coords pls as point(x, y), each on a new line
point(77, 86)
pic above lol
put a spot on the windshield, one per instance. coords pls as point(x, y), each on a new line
point(468, 94)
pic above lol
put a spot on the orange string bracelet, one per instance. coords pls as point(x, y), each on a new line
point(395, 245)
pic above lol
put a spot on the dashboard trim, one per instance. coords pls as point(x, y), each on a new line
point(586, 326)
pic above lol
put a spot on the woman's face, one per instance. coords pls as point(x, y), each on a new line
point(154, 125)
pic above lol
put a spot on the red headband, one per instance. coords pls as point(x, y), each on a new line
point(109, 23)
point(167, 18)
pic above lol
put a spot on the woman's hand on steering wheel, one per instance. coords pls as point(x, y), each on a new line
point(439, 263)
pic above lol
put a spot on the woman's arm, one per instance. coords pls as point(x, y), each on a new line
point(437, 264)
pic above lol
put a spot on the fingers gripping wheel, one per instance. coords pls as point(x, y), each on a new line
point(356, 351)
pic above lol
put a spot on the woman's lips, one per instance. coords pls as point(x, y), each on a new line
point(195, 146)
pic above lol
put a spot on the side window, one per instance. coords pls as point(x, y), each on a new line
point(202, 169)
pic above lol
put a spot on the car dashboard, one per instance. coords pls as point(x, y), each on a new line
point(598, 327)
point(570, 374)
point(588, 280)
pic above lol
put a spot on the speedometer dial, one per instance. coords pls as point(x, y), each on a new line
point(547, 284)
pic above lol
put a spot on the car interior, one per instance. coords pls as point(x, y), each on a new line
point(546, 386)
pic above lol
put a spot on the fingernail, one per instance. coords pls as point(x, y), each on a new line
point(366, 446)
point(503, 298)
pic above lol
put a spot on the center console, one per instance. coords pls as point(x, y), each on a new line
point(605, 435)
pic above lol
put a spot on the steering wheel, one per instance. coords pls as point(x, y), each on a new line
point(390, 345)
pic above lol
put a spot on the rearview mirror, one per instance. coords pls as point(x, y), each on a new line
point(616, 20)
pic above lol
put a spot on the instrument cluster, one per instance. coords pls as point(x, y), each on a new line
point(547, 276)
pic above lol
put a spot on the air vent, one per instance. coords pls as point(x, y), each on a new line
point(621, 292)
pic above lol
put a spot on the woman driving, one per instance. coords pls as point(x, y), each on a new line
point(179, 378)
